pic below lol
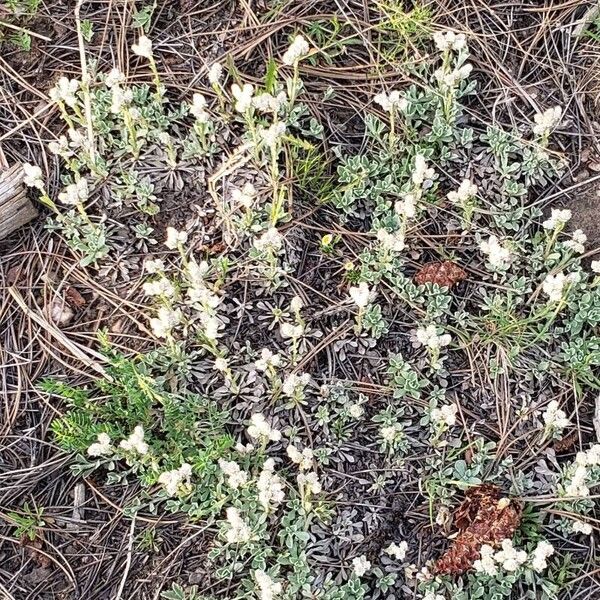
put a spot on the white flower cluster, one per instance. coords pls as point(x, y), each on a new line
point(361, 295)
point(271, 135)
point(541, 553)
point(291, 331)
point(446, 415)
point(143, 47)
point(595, 266)
point(558, 218)
point(32, 176)
point(360, 565)
point(298, 49)
point(392, 242)
point(245, 196)
point(465, 191)
point(159, 287)
point(509, 558)
point(554, 285)
point(166, 320)
point(449, 41)
point(546, 121)
point(267, 588)
point(407, 206)
point(260, 430)
point(498, 256)
point(239, 532)
point(391, 433)
point(236, 476)
point(450, 79)
point(397, 551)
point(120, 98)
point(215, 73)
point(392, 101)
point(582, 527)
point(577, 486)
point(268, 360)
point(75, 193)
point(267, 103)
point(309, 483)
point(421, 171)
point(294, 384)
point(242, 96)
point(64, 91)
point(428, 337)
point(102, 447)
point(175, 238)
point(304, 459)
point(577, 241)
point(135, 442)
point(270, 486)
point(173, 480)
point(554, 418)
point(270, 240)
point(198, 108)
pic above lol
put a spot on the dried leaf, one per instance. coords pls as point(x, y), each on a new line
point(74, 298)
point(445, 274)
point(484, 517)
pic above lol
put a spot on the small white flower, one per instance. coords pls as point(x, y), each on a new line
point(102, 447)
point(294, 384)
point(465, 191)
point(509, 557)
point(393, 242)
point(244, 448)
point(428, 336)
point(268, 589)
point(391, 433)
point(421, 171)
point(356, 410)
point(407, 206)
point(75, 193)
point(582, 527)
point(593, 455)
point(542, 552)
point(198, 108)
point(245, 196)
point(293, 332)
point(33, 176)
point(558, 217)
point(554, 417)
point(309, 483)
point(236, 477)
point(577, 242)
point(553, 285)
point(392, 101)
point(267, 103)
point(577, 488)
point(449, 40)
point(221, 364)
point(154, 266)
point(267, 360)
point(296, 304)
point(270, 486)
point(498, 256)
point(60, 147)
point(445, 415)
point(545, 122)
point(143, 47)
point(453, 78)
point(114, 77)
point(269, 240)
point(165, 321)
point(397, 551)
point(485, 563)
point(242, 96)
point(135, 442)
point(174, 238)
point(239, 532)
point(361, 295)
point(361, 565)
point(215, 73)
point(272, 134)
point(64, 91)
point(298, 49)
point(173, 480)
point(261, 430)
point(304, 459)
point(159, 287)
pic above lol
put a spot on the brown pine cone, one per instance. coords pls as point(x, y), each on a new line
point(446, 273)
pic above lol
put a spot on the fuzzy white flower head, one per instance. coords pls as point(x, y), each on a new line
point(498, 256)
point(198, 108)
point(75, 193)
point(290, 331)
point(270, 486)
point(577, 488)
point(582, 527)
point(553, 285)
point(428, 336)
point(465, 191)
point(356, 410)
point(542, 552)
point(165, 321)
point(267, 103)
point(269, 240)
point(173, 480)
point(143, 47)
point(453, 78)
point(577, 241)
point(215, 73)
point(102, 447)
point(431, 595)
point(392, 101)
point(272, 134)
point(120, 99)
point(309, 482)
point(32, 176)
point(114, 77)
point(421, 171)
point(267, 588)
point(261, 430)
point(407, 206)
point(245, 196)
point(298, 49)
point(360, 565)
point(60, 147)
point(236, 477)
point(392, 242)
point(546, 121)
point(267, 360)
point(294, 384)
point(595, 266)
point(239, 532)
point(449, 40)
point(174, 238)
point(558, 217)
point(397, 551)
point(509, 557)
point(64, 91)
point(593, 455)
point(221, 364)
point(154, 266)
point(304, 459)
point(361, 295)
point(159, 287)
point(242, 96)
point(445, 415)
point(390, 433)
point(244, 448)
point(485, 563)
point(135, 442)
point(554, 417)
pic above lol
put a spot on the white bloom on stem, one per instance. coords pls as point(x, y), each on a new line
point(221, 364)
point(449, 40)
point(577, 241)
point(391, 433)
point(242, 96)
point(582, 527)
point(509, 557)
point(215, 73)
point(114, 77)
point(304, 459)
point(236, 477)
point(269, 240)
point(554, 417)
point(290, 331)
point(165, 321)
point(154, 266)
point(593, 455)
point(33, 176)
point(445, 415)
point(397, 551)
point(75, 193)
point(102, 447)
point(173, 480)
point(270, 486)
point(360, 565)
point(465, 191)
point(60, 147)
point(361, 295)
point(452, 78)
point(356, 410)
point(267, 103)
point(421, 171)
point(120, 99)
point(159, 287)
point(298, 49)
point(542, 552)
point(497, 255)
point(428, 336)
point(196, 272)
point(267, 360)
point(267, 588)
point(244, 448)
point(554, 285)
point(558, 217)
point(64, 91)
point(407, 206)
point(391, 101)
point(294, 384)
point(546, 121)
point(393, 242)
point(143, 47)
point(174, 238)
point(485, 563)
point(577, 487)
point(245, 196)
point(296, 304)
point(198, 108)
point(595, 266)
point(239, 532)
point(135, 442)
point(309, 483)
point(272, 134)
point(261, 430)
